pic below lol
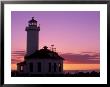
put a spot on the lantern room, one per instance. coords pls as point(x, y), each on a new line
point(32, 22)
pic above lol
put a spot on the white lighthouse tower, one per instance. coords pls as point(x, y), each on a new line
point(32, 36)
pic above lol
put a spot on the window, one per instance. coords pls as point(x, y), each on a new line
point(49, 67)
point(21, 68)
point(59, 67)
point(31, 67)
point(34, 23)
point(30, 24)
point(39, 67)
point(55, 67)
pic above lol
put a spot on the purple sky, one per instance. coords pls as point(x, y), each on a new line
point(68, 31)
point(73, 32)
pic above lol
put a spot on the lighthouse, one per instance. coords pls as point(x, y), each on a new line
point(32, 36)
point(39, 61)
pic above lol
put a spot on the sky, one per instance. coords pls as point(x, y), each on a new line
point(75, 35)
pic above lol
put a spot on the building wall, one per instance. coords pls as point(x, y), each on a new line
point(44, 66)
point(32, 39)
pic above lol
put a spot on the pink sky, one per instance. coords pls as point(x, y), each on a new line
point(75, 34)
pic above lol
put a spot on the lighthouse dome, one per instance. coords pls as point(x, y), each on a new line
point(32, 20)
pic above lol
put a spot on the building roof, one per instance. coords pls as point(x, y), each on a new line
point(32, 20)
point(21, 63)
point(44, 54)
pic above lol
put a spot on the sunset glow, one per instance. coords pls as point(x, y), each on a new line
point(81, 66)
point(74, 66)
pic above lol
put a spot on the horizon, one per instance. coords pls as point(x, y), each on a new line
point(75, 34)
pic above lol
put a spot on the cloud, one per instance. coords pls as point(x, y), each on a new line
point(82, 58)
point(17, 56)
point(16, 60)
point(70, 58)
point(18, 53)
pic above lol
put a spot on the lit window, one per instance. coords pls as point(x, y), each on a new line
point(21, 68)
point(59, 67)
point(32, 23)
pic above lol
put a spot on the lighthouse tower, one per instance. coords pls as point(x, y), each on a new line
point(32, 36)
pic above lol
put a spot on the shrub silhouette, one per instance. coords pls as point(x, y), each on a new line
point(68, 74)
